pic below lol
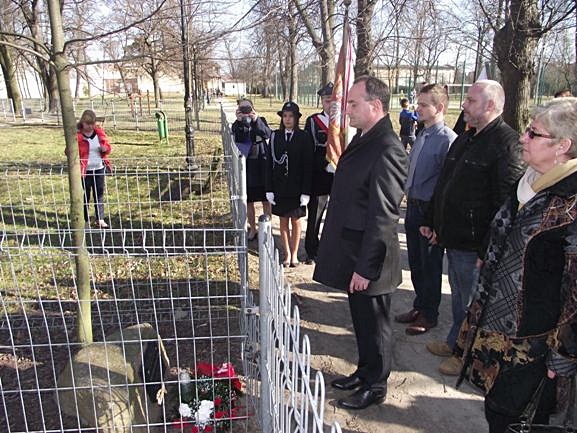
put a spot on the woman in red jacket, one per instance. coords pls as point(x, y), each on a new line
point(93, 149)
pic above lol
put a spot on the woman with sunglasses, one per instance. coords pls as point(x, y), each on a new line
point(519, 342)
point(93, 149)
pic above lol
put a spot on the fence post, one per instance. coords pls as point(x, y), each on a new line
point(13, 110)
point(42, 109)
point(265, 262)
point(136, 119)
point(113, 116)
point(23, 110)
point(242, 190)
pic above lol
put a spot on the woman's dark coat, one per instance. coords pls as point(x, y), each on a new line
point(297, 180)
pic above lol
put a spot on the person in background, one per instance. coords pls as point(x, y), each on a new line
point(425, 163)
point(521, 328)
point(563, 93)
point(408, 121)
point(251, 133)
point(288, 178)
point(93, 150)
point(359, 250)
point(317, 126)
point(480, 168)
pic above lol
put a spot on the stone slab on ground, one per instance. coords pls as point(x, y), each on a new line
point(103, 384)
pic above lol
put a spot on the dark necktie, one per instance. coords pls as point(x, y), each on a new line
point(288, 136)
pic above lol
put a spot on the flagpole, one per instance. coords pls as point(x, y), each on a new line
point(346, 37)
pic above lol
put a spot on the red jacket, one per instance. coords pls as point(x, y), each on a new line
point(83, 148)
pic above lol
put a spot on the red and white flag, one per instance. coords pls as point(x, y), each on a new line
point(339, 137)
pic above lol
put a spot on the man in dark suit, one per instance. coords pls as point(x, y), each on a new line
point(359, 250)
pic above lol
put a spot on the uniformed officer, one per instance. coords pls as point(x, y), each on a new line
point(317, 126)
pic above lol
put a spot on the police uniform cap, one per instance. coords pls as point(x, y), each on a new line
point(327, 90)
point(292, 107)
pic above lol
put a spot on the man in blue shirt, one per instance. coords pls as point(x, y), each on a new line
point(426, 161)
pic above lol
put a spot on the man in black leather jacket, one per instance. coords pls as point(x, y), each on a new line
point(480, 168)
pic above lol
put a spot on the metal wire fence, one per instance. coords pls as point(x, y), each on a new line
point(131, 114)
point(171, 311)
point(168, 297)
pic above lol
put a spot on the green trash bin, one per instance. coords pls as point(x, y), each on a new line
point(162, 126)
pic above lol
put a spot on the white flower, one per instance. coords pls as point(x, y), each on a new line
point(185, 410)
point(204, 412)
point(223, 368)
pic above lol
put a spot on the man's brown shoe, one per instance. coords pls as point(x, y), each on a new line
point(451, 366)
point(439, 348)
point(409, 317)
point(420, 326)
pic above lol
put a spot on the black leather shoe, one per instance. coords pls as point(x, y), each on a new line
point(362, 399)
point(347, 383)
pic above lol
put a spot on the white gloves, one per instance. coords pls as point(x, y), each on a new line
point(270, 198)
point(305, 199)
point(329, 168)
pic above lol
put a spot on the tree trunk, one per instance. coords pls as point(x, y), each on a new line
point(50, 83)
point(77, 84)
point(84, 319)
point(9, 74)
point(324, 44)
point(282, 76)
point(364, 38)
point(154, 76)
point(516, 46)
point(327, 26)
point(293, 59)
point(493, 71)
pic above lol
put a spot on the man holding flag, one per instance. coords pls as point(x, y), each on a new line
point(317, 126)
point(359, 250)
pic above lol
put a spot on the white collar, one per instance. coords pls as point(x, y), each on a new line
point(524, 190)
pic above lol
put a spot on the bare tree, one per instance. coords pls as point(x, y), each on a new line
point(515, 46)
point(324, 42)
point(365, 44)
point(34, 15)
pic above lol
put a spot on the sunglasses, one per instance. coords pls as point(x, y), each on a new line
point(532, 134)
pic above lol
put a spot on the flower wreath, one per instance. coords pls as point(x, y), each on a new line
point(208, 402)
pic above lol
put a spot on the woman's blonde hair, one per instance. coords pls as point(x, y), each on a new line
point(88, 116)
point(559, 118)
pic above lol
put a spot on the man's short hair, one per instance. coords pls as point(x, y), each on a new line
point(493, 91)
point(404, 102)
point(438, 94)
point(563, 93)
point(376, 89)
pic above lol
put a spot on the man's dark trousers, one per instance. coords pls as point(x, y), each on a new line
point(425, 261)
point(316, 208)
point(372, 323)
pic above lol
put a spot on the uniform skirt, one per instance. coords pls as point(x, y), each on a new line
point(289, 207)
point(254, 194)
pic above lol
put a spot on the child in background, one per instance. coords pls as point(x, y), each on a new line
point(407, 119)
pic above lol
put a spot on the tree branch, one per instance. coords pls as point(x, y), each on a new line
point(27, 50)
point(112, 32)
